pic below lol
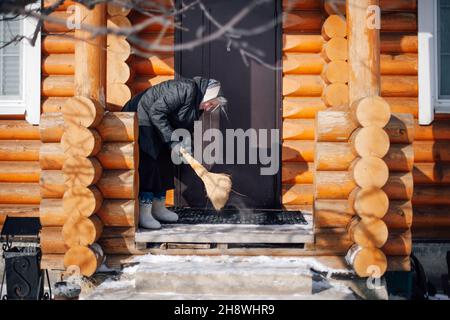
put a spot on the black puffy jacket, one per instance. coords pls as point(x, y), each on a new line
point(164, 107)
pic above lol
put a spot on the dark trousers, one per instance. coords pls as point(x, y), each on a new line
point(156, 175)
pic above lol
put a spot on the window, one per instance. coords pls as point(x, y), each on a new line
point(20, 69)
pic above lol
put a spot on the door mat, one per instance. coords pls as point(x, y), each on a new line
point(253, 217)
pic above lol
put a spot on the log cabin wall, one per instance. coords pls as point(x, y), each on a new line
point(30, 155)
point(303, 87)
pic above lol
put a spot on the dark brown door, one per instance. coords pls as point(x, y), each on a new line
point(252, 89)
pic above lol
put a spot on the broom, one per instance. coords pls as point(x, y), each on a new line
point(217, 185)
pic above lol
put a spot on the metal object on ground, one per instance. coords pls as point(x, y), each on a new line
point(22, 255)
point(67, 291)
point(253, 217)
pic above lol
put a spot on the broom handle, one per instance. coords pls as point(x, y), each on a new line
point(198, 168)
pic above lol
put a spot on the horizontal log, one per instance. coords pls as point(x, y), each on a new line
point(399, 86)
point(144, 43)
point(337, 156)
point(118, 71)
point(60, 23)
point(87, 259)
point(403, 105)
point(438, 130)
point(370, 141)
point(119, 49)
point(119, 155)
point(18, 210)
point(367, 262)
point(53, 104)
point(119, 213)
point(431, 151)
point(298, 129)
point(112, 156)
point(119, 241)
point(369, 202)
point(52, 262)
point(62, 43)
point(301, 5)
point(431, 195)
point(435, 234)
point(59, 64)
point(399, 186)
point(370, 111)
point(391, 43)
point(82, 111)
point(339, 213)
point(153, 65)
point(334, 26)
point(335, 72)
point(20, 193)
point(333, 185)
point(81, 231)
point(399, 22)
point(300, 194)
point(398, 244)
point(19, 150)
point(19, 171)
point(403, 64)
point(117, 10)
point(119, 127)
point(336, 125)
point(64, 5)
point(338, 6)
point(51, 156)
point(339, 185)
point(297, 173)
point(303, 85)
point(431, 216)
point(336, 95)
point(84, 201)
point(119, 184)
point(302, 107)
point(369, 172)
point(368, 232)
point(298, 151)
point(80, 171)
point(18, 130)
point(58, 86)
point(398, 43)
point(51, 127)
point(335, 49)
point(338, 240)
point(81, 141)
point(52, 184)
point(431, 173)
point(305, 43)
point(52, 241)
point(303, 63)
point(51, 213)
point(300, 21)
point(116, 96)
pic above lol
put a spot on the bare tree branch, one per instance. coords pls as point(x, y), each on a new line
point(155, 13)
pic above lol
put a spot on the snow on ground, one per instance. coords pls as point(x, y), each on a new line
point(124, 286)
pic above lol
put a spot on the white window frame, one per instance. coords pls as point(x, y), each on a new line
point(30, 104)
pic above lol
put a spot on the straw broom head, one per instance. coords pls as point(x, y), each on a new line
point(217, 185)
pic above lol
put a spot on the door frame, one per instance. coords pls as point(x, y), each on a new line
point(278, 87)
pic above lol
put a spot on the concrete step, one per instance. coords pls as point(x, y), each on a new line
point(235, 277)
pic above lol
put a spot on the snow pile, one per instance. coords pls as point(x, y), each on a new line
point(124, 287)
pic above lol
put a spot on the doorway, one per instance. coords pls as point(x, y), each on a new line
point(253, 90)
